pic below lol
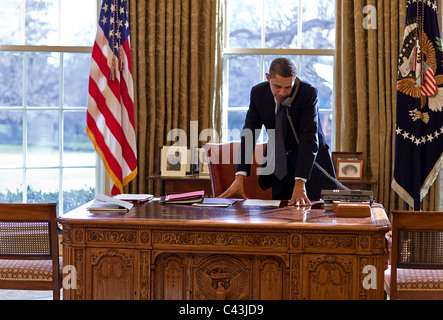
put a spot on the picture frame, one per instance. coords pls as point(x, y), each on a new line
point(349, 169)
point(203, 163)
point(343, 156)
point(173, 161)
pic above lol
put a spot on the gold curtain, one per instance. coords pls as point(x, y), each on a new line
point(177, 69)
point(366, 81)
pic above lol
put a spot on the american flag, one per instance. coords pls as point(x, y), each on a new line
point(110, 116)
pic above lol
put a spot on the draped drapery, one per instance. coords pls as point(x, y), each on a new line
point(177, 69)
point(365, 92)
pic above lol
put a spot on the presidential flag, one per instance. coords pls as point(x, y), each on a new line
point(110, 115)
point(419, 123)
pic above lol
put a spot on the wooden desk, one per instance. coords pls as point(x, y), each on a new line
point(182, 252)
point(188, 183)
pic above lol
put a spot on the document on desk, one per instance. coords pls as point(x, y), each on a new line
point(105, 203)
point(262, 203)
point(137, 198)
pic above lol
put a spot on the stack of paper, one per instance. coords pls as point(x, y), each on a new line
point(216, 202)
point(105, 203)
point(135, 198)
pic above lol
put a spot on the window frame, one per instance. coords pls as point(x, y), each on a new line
point(227, 51)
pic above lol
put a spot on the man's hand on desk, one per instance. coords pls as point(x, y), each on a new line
point(236, 189)
point(299, 195)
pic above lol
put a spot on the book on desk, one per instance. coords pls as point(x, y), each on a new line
point(183, 198)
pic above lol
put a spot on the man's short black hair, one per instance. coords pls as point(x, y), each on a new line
point(284, 67)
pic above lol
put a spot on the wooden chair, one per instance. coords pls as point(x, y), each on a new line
point(222, 162)
point(416, 270)
point(29, 253)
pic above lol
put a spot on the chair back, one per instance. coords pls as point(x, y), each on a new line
point(417, 242)
point(28, 231)
point(222, 158)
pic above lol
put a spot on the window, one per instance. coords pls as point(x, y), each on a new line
point(256, 32)
point(45, 50)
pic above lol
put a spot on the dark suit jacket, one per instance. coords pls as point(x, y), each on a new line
point(301, 157)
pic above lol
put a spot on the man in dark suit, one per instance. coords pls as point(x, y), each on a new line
point(300, 181)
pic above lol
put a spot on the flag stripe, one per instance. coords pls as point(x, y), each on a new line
point(105, 70)
point(429, 85)
point(126, 94)
point(112, 124)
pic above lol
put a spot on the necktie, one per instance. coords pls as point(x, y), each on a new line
point(280, 150)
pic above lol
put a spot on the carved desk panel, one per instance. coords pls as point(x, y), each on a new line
point(182, 252)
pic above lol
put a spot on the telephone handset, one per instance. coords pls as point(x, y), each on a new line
point(288, 101)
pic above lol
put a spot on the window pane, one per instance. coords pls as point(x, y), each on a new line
point(11, 139)
point(78, 187)
point(327, 123)
point(43, 137)
point(318, 24)
point(11, 188)
point(243, 73)
point(11, 22)
point(78, 22)
point(245, 23)
point(78, 149)
point(319, 71)
point(45, 22)
point(236, 121)
point(43, 79)
point(281, 21)
point(41, 22)
point(11, 79)
point(42, 185)
point(76, 68)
